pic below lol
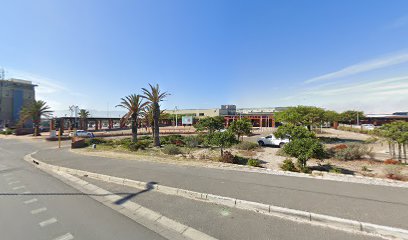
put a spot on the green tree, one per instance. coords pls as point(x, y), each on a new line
point(292, 131)
point(241, 127)
point(83, 115)
point(304, 149)
point(396, 133)
point(210, 124)
point(134, 106)
point(350, 116)
point(34, 112)
point(302, 115)
point(221, 140)
point(331, 116)
point(154, 96)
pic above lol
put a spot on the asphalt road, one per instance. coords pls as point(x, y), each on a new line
point(35, 205)
point(228, 223)
point(369, 203)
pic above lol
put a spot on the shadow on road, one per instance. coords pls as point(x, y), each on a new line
point(149, 187)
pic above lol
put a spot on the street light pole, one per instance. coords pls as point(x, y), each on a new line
point(175, 110)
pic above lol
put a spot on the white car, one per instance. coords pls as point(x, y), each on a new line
point(81, 133)
point(368, 126)
point(271, 140)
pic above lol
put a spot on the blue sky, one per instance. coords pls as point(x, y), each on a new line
point(335, 54)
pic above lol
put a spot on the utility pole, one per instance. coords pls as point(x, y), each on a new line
point(175, 110)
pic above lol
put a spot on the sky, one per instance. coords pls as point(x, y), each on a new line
point(338, 55)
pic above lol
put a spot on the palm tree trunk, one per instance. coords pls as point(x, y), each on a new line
point(390, 148)
point(404, 146)
point(134, 130)
point(156, 116)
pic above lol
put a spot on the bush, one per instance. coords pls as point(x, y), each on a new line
point(391, 162)
point(172, 139)
point(371, 140)
point(288, 165)
point(303, 149)
point(98, 141)
point(227, 157)
point(171, 150)
point(335, 170)
point(353, 152)
point(393, 172)
point(192, 141)
point(146, 137)
point(254, 163)
point(8, 131)
point(365, 169)
point(246, 146)
point(139, 145)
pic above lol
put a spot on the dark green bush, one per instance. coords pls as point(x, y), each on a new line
point(139, 145)
point(254, 163)
point(7, 132)
point(171, 149)
point(172, 139)
point(246, 145)
point(288, 165)
point(335, 170)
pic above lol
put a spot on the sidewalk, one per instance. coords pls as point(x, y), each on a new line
point(376, 204)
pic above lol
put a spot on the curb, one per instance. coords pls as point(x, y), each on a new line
point(156, 222)
point(292, 214)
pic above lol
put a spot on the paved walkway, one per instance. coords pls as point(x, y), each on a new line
point(369, 203)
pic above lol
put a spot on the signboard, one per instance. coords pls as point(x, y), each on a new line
point(188, 120)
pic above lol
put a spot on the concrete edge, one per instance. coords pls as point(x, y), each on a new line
point(156, 222)
point(291, 214)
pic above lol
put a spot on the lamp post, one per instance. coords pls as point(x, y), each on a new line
point(175, 111)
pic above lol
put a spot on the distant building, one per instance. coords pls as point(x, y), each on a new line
point(14, 94)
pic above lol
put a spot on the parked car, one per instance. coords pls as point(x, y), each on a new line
point(81, 133)
point(368, 126)
point(271, 140)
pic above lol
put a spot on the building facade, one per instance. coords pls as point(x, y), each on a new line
point(14, 94)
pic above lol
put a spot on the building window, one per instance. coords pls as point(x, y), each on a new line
point(201, 114)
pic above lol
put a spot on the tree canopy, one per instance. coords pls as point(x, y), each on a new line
point(241, 127)
point(221, 140)
point(302, 115)
point(210, 124)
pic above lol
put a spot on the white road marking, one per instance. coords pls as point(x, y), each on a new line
point(13, 182)
point(9, 178)
point(39, 210)
point(67, 236)
point(31, 201)
point(7, 174)
point(26, 192)
point(19, 187)
point(48, 222)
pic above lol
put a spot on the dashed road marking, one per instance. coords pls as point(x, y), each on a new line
point(39, 210)
point(67, 236)
point(7, 174)
point(14, 182)
point(48, 222)
point(19, 187)
point(9, 178)
point(31, 201)
point(26, 192)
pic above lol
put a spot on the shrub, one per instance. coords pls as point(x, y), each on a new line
point(171, 150)
point(246, 146)
point(391, 162)
point(288, 165)
point(254, 163)
point(335, 170)
point(146, 137)
point(365, 169)
point(227, 157)
point(98, 141)
point(139, 145)
point(353, 152)
point(8, 131)
point(303, 149)
point(393, 172)
point(371, 140)
point(192, 141)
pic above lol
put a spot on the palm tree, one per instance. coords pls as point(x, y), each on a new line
point(34, 112)
point(83, 115)
point(154, 97)
point(134, 105)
